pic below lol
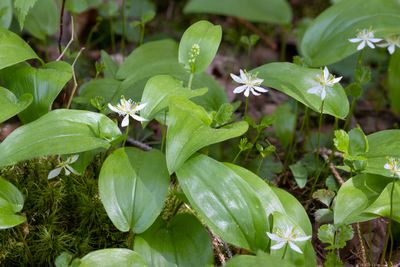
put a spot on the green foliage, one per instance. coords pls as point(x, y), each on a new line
point(335, 235)
point(324, 196)
point(394, 81)
point(11, 105)
point(110, 257)
point(133, 186)
point(6, 12)
point(58, 132)
point(260, 259)
point(326, 39)
point(11, 202)
point(271, 11)
point(43, 19)
point(22, 8)
point(182, 241)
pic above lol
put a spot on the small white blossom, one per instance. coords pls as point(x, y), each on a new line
point(391, 43)
point(250, 84)
point(393, 165)
point(287, 236)
point(64, 165)
point(127, 108)
point(365, 37)
point(324, 80)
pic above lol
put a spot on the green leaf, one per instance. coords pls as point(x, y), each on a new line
point(43, 19)
point(198, 45)
point(324, 196)
point(259, 260)
point(236, 213)
point(161, 57)
point(394, 81)
point(44, 84)
point(112, 257)
point(133, 186)
point(358, 143)
point(295, 80)
point(13, 49)
point(110, 66)
point(382, 145)
point(300, 173)
point(79, 6)
point(5, 13)
point(326, 40)
point(159, 91)
point(335, 235)
point(11, 202)
point(332, 259)
point(183, 241)
point(323, 215)
point(284, 124)
point(326, 234)
point(357, 194)
point(22, 8)
point(267, 11)
point(341, 141)
point(189, 130)
point(10, 105)
point(58, 132)
point(64, 259)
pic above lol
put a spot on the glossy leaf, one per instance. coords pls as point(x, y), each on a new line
point(326, 39)
point(11, 202)
point(161, 57)
point(357, 194)
point(189, 130)
point(6, 12)
point(133, 186)
point(22, 8)
point(79, 6)
point(44, 84)
point(236, 213)
point(11, 105)
point(183, 241)
point(13, 49)
point(295, 80)
point(112, 257)
point(259, 260)
point(43, 19)
point(394, 81)
point(58, 132)
point(198, 46)
point(382, 145)
point(104, 88)
point(285, 124)
point(110, 66)
point(158, 92)
point(268, 11)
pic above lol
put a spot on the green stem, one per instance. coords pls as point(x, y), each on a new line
point(389, 228)
point(126, 135)
point(190, 80)
point(259, 165)
point(284, 251)
point(123, 28)
point(142, 28)
point(246, 106)
point(164, 131)
point(237, 156)
point(112, 33)
point(352, 107)
point(319, 131)
point(282, 54)
point(131, 239)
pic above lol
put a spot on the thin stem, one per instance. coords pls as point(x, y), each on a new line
point(389, 228)
point(70, 41)
point(123, 28)
point(352, 107)
point(282, 54)
point(164, 131)
point(131, 239)
point(246, 106)
point(142, 28)
point(284, 251)
point(126, 135)
point(74, 78)
point(259, 165)
point(112, 35)
point(61, 26)
point(319, 131)
point(28, 253)
point(190, 80)
point(237, 156)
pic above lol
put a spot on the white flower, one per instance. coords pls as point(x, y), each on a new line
point(250, 84)
point(325, 80)
point(64, 165)
point(393, 165)
point(365, 37)
point(391, 43)
point(128, 108)
point(287, 236)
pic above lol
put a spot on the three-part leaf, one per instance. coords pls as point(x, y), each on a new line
point(133, 186)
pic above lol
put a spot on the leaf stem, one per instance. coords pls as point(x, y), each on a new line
point(389, 228)
point(237, 156)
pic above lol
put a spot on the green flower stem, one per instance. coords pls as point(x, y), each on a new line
point(284, 251)
point(112, 35)
point(190, 80)
point(131, 239)
point(123, 28)
point(259, 165)
point(389, 228)
point(142, 29)
point(246, 106)
point(319, 131)
point(237, 156)
point(126, 135)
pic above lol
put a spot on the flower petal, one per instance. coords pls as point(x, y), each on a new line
point(275, 237)
point(278, 245)
point(316, 90)
point(361, 45)
point(326, 73)
point(387, 166)
point(258, 81)
point(337, 79)
point(54, 173)
point(370, 44)
point(113, 108)
point(125, 121)
point(295, 247)
point(239, 89)
point(72, 170)
point(72, 159)
point(323, 94)
point(391, 48)
point(247, 92)
point(254, 92)
point(302, 238)
point(355, 40)
point(375, 40)
point(260, 89)
point(236, 78)
point(243, 76)
point(141, 106)
point(138, 118)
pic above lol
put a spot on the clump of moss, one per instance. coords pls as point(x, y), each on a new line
point(63, 214)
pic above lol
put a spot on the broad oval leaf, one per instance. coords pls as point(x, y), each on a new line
point(13, 49)
point(225, 202)
point(11, 202)
point(259, 260)
point(189, 130)
point(133, 186)
point(102, 88)
point(357, 194)
point(111, 257)
point(6, 13)
point(198, 45)
point(60, 131)
point(161, 57)
point(394, 81)
point(43, 19)
point(268, 11)
point(44, 84)
point(295, 80)
point(183, 241)
point(10, 105)
point(326, 40)
point(158, 92)
point(382, 145)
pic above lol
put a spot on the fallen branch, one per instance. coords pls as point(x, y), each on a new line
point(138, 144)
